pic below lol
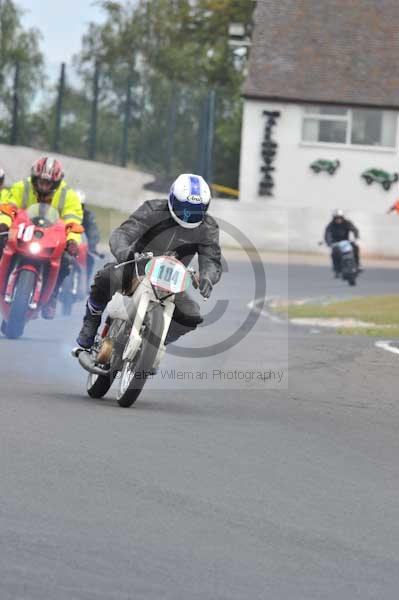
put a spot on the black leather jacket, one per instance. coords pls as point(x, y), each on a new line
point(337, 232)
point(151, 228)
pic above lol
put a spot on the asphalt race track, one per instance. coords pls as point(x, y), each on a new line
point(227, 487)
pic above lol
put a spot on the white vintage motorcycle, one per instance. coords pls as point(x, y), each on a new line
point(132, 341)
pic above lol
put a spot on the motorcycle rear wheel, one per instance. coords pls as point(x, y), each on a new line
point(352, 280)
point(134, 375)
point(98, 385)
point(23, 293)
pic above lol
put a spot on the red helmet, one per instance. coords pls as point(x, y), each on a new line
point(46, 174)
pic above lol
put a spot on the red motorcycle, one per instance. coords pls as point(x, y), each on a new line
point(30, 263)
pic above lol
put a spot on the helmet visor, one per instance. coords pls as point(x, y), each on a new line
point(189, 212)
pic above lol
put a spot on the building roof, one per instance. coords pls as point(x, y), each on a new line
point(332, 51)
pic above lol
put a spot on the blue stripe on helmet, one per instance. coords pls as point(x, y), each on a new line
point(195, 185)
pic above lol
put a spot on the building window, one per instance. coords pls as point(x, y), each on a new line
point(351, 126)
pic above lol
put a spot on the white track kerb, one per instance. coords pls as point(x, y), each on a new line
point(254, 305)
point(386, 345)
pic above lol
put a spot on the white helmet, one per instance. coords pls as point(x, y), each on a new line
point(189, 199)
point(338, 212)
point(82, 196)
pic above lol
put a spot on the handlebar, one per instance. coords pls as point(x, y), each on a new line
point(194, 277)
point(148, 255)
point(96, 254)
point(137, 258)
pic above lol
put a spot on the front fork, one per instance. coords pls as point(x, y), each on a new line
point(167, 319)
point(135, 339)
point(12, 282)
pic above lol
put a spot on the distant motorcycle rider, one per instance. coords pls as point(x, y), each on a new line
point(3, 189)
point(180, 225)
point(394, 207)
point(3, 199)
point(46, 184)
point(337, 230)
point(92, 234)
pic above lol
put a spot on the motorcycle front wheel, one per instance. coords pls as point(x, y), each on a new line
point(135, 373)
point(24, 289)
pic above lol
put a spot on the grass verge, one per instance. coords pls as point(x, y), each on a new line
point(382, 312)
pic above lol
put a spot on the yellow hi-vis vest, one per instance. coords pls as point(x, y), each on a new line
point(65, 200)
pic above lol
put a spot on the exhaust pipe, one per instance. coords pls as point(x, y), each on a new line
point(86, 360)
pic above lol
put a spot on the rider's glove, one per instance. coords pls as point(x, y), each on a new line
point(205, 287)
point(72, 248)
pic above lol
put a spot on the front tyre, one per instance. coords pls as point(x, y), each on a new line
point(25, 287)
point(134, 374)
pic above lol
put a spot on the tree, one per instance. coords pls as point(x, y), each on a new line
point(17, 45)
point(173, 52)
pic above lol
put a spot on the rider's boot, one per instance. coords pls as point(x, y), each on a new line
point(91, 323)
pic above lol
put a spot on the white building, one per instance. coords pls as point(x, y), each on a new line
point(323, 84)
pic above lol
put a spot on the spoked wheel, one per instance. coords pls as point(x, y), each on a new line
point(135, 373)
point(98, 385)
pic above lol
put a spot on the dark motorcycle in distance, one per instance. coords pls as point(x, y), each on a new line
point(76, 286)
point(344, 261)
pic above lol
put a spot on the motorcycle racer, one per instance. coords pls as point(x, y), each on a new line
point(3, 196)
point(3, 189)
point(92, 233)
point(180, 225)
point(394, 207)
point(46, 184)
point(337, 230)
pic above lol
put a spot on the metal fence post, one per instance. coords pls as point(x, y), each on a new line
point(126, 122)
point(58, 111)
point(94, 113)
point(206, 136)
point(210, 126)
point(171, 130)
point(202, 137)
point(14, 135)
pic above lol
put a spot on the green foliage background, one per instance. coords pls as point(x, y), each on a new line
point(171, 53)
point(23, 46)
